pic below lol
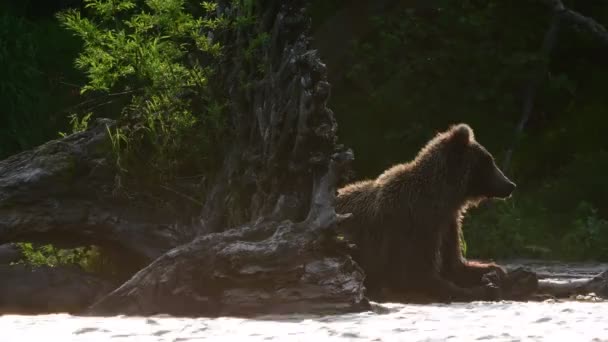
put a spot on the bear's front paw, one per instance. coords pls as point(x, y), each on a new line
point(492, 277)
point(494, 274)
point(489, 292)
point(499, 270)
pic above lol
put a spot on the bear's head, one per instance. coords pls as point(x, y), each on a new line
point(469, 167)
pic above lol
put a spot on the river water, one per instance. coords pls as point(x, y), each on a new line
point(478, 321)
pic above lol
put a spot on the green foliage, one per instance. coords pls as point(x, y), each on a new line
point(78, 124)
point(158, 56)
point(507, 229)
point(589, 237)
point(48, 255)
point(526, 229)
point(559, 218)
point(90, 258)
point(120, 145)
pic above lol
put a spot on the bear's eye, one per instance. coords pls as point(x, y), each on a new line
point(485, 163)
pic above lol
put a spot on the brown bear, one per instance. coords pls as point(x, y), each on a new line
point(406, 223)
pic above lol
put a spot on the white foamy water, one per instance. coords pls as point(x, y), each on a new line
point(503, 321)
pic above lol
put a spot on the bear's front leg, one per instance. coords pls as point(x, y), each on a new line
point(462, 272)
point(425, 274)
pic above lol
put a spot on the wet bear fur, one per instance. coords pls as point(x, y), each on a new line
point(406, 223)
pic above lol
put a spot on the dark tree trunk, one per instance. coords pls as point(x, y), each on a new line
point(549, 42)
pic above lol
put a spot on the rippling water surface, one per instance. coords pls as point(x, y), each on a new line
point(570, 321)
point(478, 321)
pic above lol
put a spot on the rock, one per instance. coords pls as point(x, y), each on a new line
point(519, 284)
point(597, 285)
point(27, 290)
point(9, 253)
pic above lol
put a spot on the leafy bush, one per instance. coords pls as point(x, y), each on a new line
point(589, 237)
point(78, 124)
point(88, 258)
point(159, 57)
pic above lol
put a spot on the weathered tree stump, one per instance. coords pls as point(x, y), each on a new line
point(268, 268)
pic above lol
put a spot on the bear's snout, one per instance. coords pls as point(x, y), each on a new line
point(509, 188)
point(504, 186)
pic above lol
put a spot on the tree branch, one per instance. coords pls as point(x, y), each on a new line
point(573, 17)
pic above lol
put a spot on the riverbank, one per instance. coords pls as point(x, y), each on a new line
point(496, 321)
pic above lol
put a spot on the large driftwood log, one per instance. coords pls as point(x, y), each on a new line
point(61, 192)
point(268, 268)
point(535, 283)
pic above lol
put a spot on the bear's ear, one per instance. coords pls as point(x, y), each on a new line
point(460, 135)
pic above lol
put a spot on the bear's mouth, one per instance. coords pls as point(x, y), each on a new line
point(502, 186)
point(505, 190)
